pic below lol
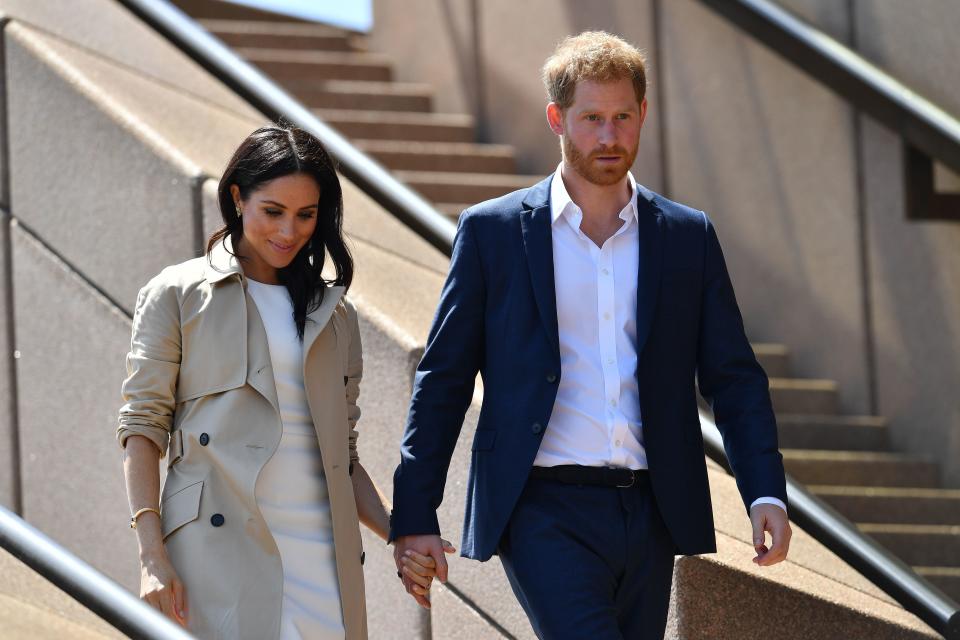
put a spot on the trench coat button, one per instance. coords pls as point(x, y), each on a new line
point(204, 439)
point(363, 557)
point(216, 520)
point(536, 428)
point(551, 378)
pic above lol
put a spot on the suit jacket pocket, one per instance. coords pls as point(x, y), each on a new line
point(484, 439)
point(180, 508)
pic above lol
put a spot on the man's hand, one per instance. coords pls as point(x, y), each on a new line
point(770, 517)
point(412, 554)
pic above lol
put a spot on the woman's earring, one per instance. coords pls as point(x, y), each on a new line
point(239, 213)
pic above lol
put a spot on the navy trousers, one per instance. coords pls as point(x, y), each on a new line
point(589, 562)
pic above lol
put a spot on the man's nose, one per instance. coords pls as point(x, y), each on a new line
point(607, 133)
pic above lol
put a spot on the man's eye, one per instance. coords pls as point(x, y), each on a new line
point(623, 116)
point(593, 117)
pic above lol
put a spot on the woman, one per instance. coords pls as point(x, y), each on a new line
point(244, 369)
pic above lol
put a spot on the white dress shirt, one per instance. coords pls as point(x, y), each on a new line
point(596, 419)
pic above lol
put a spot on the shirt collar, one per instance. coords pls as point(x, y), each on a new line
point(561, 204)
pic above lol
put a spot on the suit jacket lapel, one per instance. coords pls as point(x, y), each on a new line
point(538, 241)
point(650, 227)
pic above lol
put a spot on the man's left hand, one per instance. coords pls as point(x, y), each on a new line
point(770, 517)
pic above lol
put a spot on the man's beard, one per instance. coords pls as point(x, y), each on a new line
point(603, 176)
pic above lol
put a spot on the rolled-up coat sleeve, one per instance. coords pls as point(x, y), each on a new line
point(354, 374)
point(153, 366)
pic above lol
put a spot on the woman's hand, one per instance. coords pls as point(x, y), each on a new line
point(161, 588)
point(420, 570)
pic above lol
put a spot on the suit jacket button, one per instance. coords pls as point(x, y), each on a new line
point(363, 557)
point(204, 439)
point(536, 428)
point(216, 520)
point(551, 378)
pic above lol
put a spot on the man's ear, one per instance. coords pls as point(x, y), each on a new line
point(555, 118)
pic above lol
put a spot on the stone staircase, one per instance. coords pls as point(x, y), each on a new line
point(352, 90)
point(846, 460)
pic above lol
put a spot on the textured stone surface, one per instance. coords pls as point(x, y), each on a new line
point(72, 345)
point(8, 425)
point(31, 607)
point(110, 191)
point(111, 32)
point(453, 619)
point(711, 599)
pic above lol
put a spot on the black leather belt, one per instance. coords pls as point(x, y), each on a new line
point(595, 476)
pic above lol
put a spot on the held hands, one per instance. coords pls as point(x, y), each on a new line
point(161, 588)
point(419, 559)
point(770, 517)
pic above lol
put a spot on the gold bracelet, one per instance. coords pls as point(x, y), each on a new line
point(133, 519)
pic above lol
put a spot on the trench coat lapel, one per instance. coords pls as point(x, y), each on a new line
point(319, 317)
point(259, 365)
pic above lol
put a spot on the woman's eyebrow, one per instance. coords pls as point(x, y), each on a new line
point(283, 206)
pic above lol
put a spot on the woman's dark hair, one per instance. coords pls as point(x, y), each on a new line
point(274, 152)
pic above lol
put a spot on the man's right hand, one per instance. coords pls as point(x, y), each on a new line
point(431, 546)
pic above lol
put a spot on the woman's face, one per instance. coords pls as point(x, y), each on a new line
point(278, 220)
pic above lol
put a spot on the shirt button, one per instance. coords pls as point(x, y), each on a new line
point(613, 403)
point(618, 443)
point(536, 428)
point(606, 315)
point(204, 439)
point(610, 360)
point(605, 272)
point(216, 520)
point(551, 377)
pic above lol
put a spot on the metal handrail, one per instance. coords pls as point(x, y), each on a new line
point(104, 597)
point(919, 121)
point(864, 85)
point(268, 97)
point(842, 537)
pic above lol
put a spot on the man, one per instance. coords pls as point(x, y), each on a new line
point(591, 306)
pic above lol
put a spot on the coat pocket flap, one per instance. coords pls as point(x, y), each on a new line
point(484, 439)
point(180, 508)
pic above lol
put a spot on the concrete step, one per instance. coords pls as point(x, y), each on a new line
point(281, 35)
point(857, 433)
point(932, 545)
point(443, 186)
point(803, 395)
point(394, 125)
point(441, 156)
point(361, 95)
point(774, 358)
point(284, 65)
point(947, 578)
point(220, 10)
point(904, 505)
point(860, 468)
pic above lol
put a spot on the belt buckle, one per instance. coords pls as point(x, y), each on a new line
point(633, 480)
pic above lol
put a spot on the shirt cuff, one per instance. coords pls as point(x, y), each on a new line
point(768, 500)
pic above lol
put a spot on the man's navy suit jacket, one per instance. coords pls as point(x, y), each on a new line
point(498, 316)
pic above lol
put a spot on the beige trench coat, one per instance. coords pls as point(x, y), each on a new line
point(200, 386)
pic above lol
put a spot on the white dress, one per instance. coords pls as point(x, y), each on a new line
point(292, 490)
